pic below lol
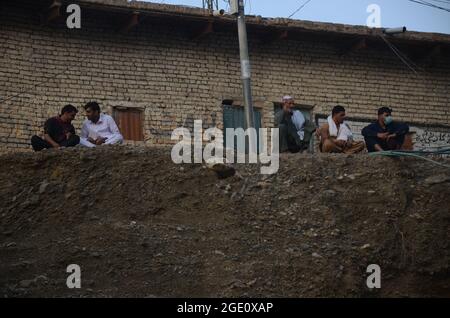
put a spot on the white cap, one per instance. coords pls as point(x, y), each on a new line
point(287, 97)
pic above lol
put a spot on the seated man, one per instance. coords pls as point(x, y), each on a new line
point(58, 131)
point(295, 130)
point(336, 136)
point(385, 134)
point(98, 128)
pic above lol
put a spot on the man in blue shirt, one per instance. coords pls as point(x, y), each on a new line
point(385, 134)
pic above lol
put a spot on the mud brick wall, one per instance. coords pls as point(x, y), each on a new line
point(159, 68)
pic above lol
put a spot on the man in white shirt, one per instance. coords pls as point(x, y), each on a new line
point(336, 135)
point(99, 129)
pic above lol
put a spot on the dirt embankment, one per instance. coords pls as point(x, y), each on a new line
point(139, 225)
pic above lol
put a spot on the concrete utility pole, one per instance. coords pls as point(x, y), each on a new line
point(237, 7)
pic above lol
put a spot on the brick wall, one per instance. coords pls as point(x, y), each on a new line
point(157, 67)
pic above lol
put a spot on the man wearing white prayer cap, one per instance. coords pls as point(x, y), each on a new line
point(295, 129)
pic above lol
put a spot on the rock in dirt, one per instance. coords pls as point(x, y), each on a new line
point(437, 179)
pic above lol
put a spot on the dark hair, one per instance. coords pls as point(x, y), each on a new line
point(93, 106)
point(383, 110)
point(69, 109)
point(337, 109)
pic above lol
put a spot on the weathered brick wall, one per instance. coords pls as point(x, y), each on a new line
point(177, 80)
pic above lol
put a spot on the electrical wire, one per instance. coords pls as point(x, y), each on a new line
point(399, 55)
point(33, 86)
point(301, 7)
point(425, 3)
point(441, 1)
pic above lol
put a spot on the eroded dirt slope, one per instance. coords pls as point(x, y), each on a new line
point(139, 225)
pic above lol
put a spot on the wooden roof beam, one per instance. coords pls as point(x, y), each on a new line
point(52, 13)
point(203, 31)
point(275, 36)
point(359, 44)
point(132, 22)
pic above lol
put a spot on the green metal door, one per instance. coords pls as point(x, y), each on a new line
point(234, 117)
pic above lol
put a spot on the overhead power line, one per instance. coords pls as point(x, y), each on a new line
point(301, 7)
point(429, 4)
point(402, 57)
point(441, 1)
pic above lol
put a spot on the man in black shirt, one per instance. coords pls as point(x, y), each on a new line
point(385, 134)
point(58, 131)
